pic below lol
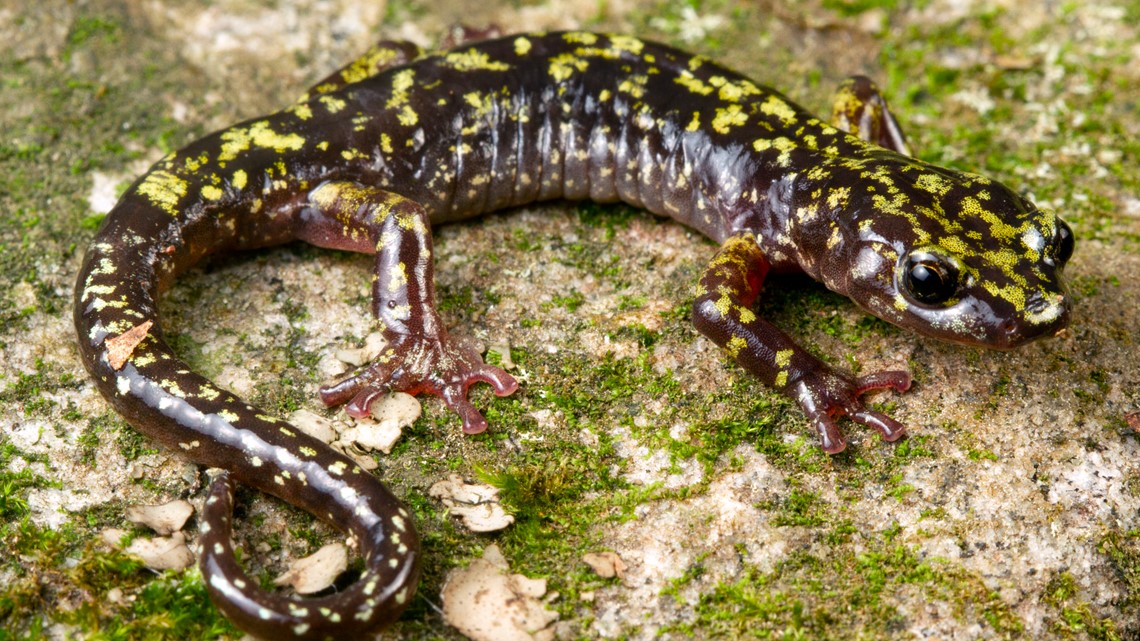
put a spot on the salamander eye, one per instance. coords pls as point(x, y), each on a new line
point(930, 279)
point(1064, 250)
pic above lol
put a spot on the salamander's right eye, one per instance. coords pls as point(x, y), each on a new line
point(1065, 243)
point(929, 279)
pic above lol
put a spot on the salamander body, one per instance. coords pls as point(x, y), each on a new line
point(400, 140)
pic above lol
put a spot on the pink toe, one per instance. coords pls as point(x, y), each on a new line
point(361, 404)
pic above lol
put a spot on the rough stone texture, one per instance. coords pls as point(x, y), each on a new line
point(1012, 511)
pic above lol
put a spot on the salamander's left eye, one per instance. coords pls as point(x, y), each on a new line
point(929, 278)
point(1064, 241)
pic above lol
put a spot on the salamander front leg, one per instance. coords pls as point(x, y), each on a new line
point(420, 356)
point(722, 312)
point(860, 110)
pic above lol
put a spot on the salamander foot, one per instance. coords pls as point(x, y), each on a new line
point(439, 366)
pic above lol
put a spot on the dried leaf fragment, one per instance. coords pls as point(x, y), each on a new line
point(605, 564)
point(316, 571)
point(477, 506)
point(487, 603)
point(164, 519)
point(119, 348)
point(162, 553)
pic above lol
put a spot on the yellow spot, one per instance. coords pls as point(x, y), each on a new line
point(634, 85)
point(838, 196)
point(730, 91)
point(472, 60)
point(723, 305)
point(303, 111)
point(479, 101)
point(954, 245)
point(581, 37)
point(998, 228)
point(693, 84)
point(369, 64)
point(695, 123)
point(522, 46)
point(164, 190)
point(408, 116)
point(399, 278)
point(783, 144)
point(258, 134)
point(1014, 295)
point(402, 81)
point(564, 65)
point(734, 345)
point(210, 192)
point(783, 357)
point(331, 103)
point(781, 379)
point(239, 179)
point(626, 43)
point(933, 183)
point(774, 106)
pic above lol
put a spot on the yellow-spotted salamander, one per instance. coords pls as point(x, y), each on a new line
point(400, 140)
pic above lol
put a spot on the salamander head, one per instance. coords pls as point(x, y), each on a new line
point(950, 255)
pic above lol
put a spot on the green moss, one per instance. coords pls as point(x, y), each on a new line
point(848, 8)
point(30, 389)
point(1123, 552)
point(843, 594)
point(1074, 618)
point(14, 486)
point(174, 606)
point(132, 444)
point(799, 507)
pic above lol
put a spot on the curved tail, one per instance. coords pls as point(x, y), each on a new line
point(120, 340)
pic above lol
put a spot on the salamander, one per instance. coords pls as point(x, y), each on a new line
point(400, 140)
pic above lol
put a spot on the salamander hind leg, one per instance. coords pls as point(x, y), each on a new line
point(460, 34)
point(420, 355)
point(722, 312)
point(860, 110)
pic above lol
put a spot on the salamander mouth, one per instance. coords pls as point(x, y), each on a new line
point(993, 324)
point(1044, 319)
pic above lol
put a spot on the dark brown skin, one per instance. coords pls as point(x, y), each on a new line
point(396, 142)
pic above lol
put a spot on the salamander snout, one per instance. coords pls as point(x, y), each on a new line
point(1044, 315)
